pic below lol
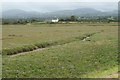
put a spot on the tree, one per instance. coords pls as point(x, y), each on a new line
point(73, 18)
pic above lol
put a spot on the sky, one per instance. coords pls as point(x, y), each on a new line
point(60, 0)
point(56, 5)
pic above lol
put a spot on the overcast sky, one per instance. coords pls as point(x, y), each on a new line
point(60, 0)
point(56, 5)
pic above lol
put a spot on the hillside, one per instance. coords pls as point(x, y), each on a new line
point(86, 12)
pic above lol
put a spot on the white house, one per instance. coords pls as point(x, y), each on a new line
point(55, 20)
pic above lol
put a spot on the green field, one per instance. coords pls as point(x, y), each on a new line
point(60, 50)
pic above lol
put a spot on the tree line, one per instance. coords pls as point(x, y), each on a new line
point(73, 18)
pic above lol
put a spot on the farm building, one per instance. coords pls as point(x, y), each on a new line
point(55, 20)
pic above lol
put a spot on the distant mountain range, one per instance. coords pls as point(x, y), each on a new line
point(84, 12)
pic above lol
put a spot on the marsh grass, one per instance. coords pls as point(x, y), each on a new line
point(28, 48)
point(76, 59)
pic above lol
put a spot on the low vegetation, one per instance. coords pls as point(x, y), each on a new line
point(84, 51)
point(28, 48)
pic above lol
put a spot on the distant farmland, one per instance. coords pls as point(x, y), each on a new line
point(60, 50)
